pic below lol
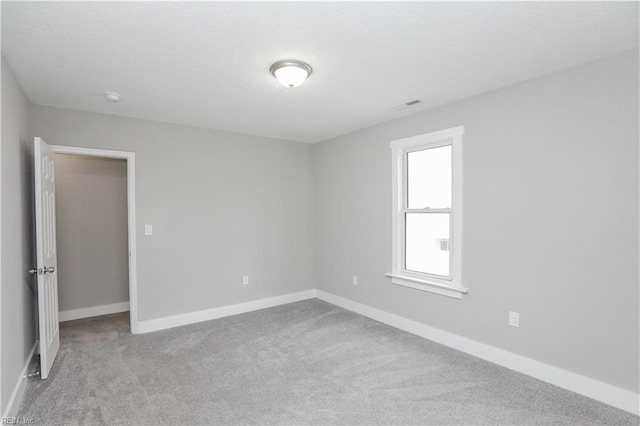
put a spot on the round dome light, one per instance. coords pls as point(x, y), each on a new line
point(291, 73)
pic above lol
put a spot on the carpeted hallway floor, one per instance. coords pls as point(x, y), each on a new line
point(303, 363)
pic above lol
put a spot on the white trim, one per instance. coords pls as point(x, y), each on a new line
point(1, 286)
point(429, 286)
point(448, 286)
point(592, 388)
point(221, 312)
point(429, 138)
point(20, 387)
point(93, 311)
point(91, 152)
point(131, 208)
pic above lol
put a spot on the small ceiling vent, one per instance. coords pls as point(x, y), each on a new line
point(406, 105)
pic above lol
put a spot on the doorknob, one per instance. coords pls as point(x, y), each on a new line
point(43, 271)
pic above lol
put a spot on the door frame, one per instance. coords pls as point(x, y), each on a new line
point(130, 157)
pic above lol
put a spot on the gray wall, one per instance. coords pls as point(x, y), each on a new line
point(222, 206)
point(18, 287)
point(91, 219)
point(550, 219)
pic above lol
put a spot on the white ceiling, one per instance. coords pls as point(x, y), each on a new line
point(207, 64)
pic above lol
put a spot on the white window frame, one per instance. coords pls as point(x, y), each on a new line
point(447, 286)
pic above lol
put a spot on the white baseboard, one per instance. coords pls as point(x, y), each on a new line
point(600, 391)
point(93, 311)
point(223, 311)
point(21, 386)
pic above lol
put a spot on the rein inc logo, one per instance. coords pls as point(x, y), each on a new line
point(18, 421)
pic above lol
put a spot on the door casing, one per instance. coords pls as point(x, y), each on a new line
point(130, 157)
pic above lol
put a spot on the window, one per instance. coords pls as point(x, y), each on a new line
point(427, 212)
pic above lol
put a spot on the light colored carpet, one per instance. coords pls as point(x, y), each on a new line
point(303, 363)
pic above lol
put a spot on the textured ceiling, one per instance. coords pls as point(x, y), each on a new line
point(207, 64)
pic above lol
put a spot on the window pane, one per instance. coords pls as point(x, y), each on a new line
point(429, 178)
point(427, 243)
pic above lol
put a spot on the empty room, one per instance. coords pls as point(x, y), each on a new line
point(320, 213)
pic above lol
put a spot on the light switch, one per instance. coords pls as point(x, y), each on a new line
point(148, 230)
point(514, 319)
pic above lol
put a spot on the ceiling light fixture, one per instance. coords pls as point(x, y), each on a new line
point(290, 72)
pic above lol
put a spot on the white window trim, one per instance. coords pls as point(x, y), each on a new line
point(452, 286)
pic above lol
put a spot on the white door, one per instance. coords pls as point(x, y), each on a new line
point(45, 200)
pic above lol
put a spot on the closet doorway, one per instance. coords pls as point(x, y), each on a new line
point(95, 227)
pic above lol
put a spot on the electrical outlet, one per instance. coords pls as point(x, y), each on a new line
point(355, 280)
point(514, 319)
point(245, 279)
point(148, 230)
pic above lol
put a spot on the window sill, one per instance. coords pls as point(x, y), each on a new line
point(428, 286)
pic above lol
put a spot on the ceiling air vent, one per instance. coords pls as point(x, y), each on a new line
point(406, 105)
